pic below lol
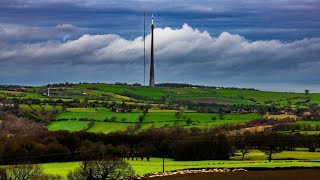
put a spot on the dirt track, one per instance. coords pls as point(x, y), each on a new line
point(299, 174)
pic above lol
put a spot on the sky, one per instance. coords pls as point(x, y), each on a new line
point(268, 45)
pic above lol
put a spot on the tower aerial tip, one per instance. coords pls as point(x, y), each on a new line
point(152, 18)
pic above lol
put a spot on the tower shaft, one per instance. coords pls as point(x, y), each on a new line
point(151, 81)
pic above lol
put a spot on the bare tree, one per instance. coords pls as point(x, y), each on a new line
point(244, 150)
point(271, 150)
point(102, 170)
point(27, 172)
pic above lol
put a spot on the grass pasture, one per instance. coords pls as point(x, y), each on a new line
point(155, 165)
point(86, 110)
point(285, 155)
point(201, 120)
point(154, 119)
point(309, 122)
point(99, 116)
point(108, 127)
point(68, 125)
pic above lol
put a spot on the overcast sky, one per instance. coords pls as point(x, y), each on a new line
point(268, 45)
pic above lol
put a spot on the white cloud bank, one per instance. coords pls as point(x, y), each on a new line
point(181, 54)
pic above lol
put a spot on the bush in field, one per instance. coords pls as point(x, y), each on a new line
point(141, 118)
point(104, 169)
point(113, 119)
point(188, 121)
point(27, 172)
point(178, 115)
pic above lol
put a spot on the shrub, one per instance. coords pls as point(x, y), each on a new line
point(28, 171)
point(104, 169)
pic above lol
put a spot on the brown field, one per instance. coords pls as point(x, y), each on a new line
point(281, 116)
point(256, 129)
point(299, 174)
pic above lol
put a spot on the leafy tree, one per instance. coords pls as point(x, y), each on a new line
point(262, 111)
point(307, 91)
point(113, 119)
point(271, 144)
point(214, 118)
point(102, 170)
point(123, 119)
point(141, 118)
point(221, 116)
point(178, 115)
point(85, 102)
point(270, 150)
point(188, 121)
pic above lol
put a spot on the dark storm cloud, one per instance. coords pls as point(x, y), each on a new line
point(216, 16)
point(247, 43)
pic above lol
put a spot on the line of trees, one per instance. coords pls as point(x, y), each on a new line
point(180, 144)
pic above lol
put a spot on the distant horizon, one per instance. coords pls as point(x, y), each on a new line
point(157, 85)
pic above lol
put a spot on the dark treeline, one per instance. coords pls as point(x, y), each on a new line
point(176, 143)
point(13, 87)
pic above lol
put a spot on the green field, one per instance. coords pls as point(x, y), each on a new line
point(39, 108)
point(68, 125)
point(153, 119)
point(309, 122)
point(108, 127)
point(100, 115)
point(86, 110)
point(155, 165)
point(219, 95)
point(286, 155)
point(139, 94)
point(255, 160)
point(201, 120)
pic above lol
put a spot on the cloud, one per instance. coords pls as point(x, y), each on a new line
point(177, 5)
point(66, 28)
point(184, 54)
point(19, 32)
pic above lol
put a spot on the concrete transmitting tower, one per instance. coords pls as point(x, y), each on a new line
point(151, 81)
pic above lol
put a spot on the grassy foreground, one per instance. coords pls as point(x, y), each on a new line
point(255, 159)
point(155, 165)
